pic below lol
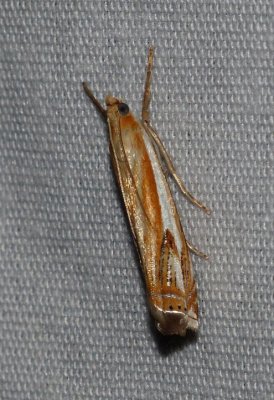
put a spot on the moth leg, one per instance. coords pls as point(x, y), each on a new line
point(195, 251)
point(147, 94)
point(154, 135)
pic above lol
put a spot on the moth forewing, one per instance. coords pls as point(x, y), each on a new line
point(152, 213)
point(154, 222)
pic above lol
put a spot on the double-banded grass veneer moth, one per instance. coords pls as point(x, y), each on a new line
point(137, 155)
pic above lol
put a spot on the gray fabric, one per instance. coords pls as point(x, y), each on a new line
point(74, 322)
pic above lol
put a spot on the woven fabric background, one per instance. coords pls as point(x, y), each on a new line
point(74, 322)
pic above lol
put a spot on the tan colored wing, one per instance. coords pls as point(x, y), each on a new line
point(153, 217)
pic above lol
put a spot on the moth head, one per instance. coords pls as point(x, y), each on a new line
point(117, 106)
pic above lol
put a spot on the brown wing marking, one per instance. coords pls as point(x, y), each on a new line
point(125, 160)
point(186, 269)
point(118, 177)
point(189, 282)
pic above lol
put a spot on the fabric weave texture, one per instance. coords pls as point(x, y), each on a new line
point(74, 322)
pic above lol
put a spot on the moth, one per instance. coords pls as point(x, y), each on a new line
point(138, 157)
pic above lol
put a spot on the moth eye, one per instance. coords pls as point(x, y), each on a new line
point(123, 109)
